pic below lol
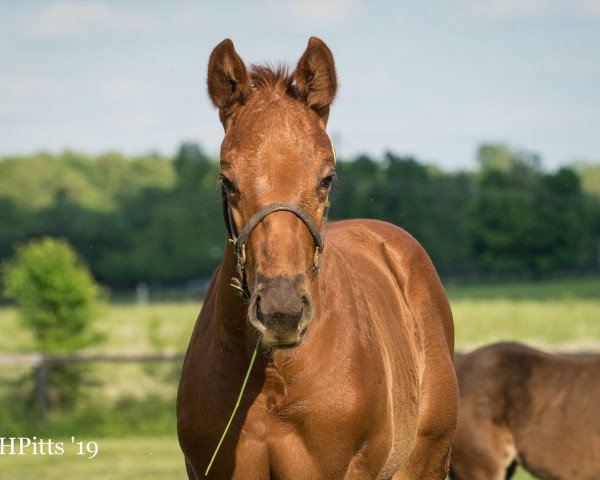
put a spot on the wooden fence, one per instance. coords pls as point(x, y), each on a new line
point(42, 363)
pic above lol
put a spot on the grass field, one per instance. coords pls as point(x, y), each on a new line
point(559, 315)
point(562, 314)
point(556, 315)
point(118, 459)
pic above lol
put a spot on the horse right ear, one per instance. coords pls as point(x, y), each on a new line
point(228, 83)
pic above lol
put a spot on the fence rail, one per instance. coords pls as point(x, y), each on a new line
point(33, 359)
point(41, 363)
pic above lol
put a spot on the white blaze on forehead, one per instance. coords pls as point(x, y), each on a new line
point(262, 184)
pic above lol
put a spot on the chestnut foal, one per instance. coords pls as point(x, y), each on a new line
point(354, 376)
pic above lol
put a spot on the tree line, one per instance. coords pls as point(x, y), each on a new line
point(159, 220)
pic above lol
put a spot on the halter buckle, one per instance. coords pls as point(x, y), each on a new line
point(240, 252)
point(316, 264)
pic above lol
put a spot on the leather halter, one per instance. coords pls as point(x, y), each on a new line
point(240, 240)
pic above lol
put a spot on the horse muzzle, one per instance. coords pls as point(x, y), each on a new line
point(280, 309)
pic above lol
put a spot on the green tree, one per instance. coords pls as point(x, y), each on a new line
point(58, 300)
point(521, 219)
point(502, 158)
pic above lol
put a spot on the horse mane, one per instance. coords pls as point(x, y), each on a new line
point(278, 79)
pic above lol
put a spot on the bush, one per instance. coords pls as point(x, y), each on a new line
point(57, 299)
point(55, 293)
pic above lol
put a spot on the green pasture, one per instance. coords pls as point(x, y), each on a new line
point(118, 459)
point(557, 314)
point(130, 408)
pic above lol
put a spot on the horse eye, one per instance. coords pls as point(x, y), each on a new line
point(228, 185)
point(327, 181)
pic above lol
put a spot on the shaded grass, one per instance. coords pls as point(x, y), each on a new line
point(127, 416)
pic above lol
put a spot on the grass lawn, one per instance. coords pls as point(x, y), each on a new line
point(557, 314)
point(554, 314)
point(129, 328)
point(118, 459)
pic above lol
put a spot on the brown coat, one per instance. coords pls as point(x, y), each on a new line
point(369, 390)
point(519, 405)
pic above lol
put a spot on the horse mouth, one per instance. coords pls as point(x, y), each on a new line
point(285, 344)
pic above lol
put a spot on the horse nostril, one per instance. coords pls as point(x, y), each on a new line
point(306, 304)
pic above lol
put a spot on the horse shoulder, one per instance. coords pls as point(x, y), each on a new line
point(413, 272)
point(427, 324)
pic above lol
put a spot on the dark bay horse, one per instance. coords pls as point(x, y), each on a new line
point(521, 406)
point(354, 378)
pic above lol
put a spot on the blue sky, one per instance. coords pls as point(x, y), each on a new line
point(430, 78)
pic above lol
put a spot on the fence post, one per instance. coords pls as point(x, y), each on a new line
point(41, 389)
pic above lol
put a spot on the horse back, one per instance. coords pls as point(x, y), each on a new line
point(548, 405)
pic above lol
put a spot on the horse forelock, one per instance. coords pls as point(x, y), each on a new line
point(273, 78)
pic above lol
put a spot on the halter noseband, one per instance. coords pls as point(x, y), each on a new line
point(240, 240)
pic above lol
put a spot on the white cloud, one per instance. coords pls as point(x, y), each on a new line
point(316, 13)
point(578, 64)
point(589, 8)
point(66, 19)
point(509, 8)
point(121, 88)
point(27, 85)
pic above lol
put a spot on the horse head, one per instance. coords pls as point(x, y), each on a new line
point(277, 166)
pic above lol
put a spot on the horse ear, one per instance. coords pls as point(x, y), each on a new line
point(315, 77)
point(228, 83)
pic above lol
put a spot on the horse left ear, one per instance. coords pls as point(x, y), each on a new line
point(315, 77)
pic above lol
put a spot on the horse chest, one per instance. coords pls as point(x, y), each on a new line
point(295, 432)
point(297, 442)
